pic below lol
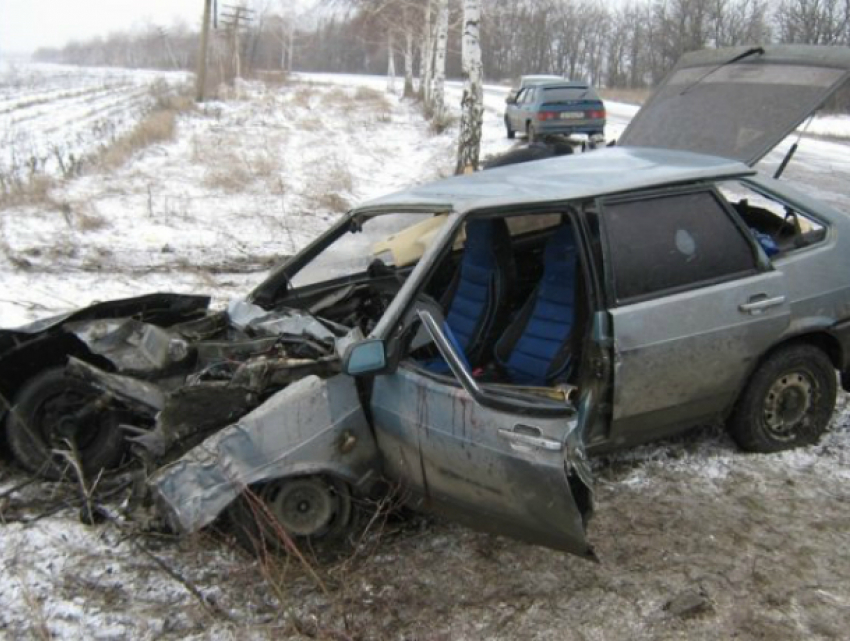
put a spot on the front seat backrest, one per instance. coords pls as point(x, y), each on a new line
point(477, 301)
point(535, 347)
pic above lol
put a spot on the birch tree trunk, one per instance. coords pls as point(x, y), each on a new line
point(390, 64)
point(472, 103)
point(408, 62)
point(426, 59)
point(438, 107)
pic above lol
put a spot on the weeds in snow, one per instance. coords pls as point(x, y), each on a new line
point(99, 137)
point(158, 125)
point(331, 181)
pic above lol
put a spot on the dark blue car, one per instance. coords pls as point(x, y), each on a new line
point(555, 108)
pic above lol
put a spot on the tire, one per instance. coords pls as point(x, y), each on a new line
point(530, 133)
point(788, 402)
point(511, 132)
point(310, 510)
point(42, 420)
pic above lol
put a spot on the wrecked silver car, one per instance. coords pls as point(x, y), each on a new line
point(471, 341)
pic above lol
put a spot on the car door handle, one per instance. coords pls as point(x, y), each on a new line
point(759, 303)
point(530, 437)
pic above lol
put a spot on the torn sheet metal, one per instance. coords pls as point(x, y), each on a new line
point(142, 396)
point(130, 345)
point(314, 426)
point(246, 316)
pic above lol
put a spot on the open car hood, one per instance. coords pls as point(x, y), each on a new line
point(738, 102)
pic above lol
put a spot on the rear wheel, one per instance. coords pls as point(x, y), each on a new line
point(787, 403)
point(54, 412)
point(530, 133)
point(306, 509)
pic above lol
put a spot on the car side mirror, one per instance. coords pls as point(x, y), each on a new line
point(366, 357)
point(511, 100)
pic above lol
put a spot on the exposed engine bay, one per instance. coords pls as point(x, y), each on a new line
point(170, 384)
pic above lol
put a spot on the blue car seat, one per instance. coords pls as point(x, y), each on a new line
point(535, 349)
point(477, 300)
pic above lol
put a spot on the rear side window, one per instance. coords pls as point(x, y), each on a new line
point(670, 243)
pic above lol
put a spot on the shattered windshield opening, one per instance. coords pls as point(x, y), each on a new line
point(395, 240)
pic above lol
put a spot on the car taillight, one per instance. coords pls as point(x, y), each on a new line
point(596, 114)
point(547, 115)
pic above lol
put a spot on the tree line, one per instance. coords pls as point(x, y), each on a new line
point(631, 45)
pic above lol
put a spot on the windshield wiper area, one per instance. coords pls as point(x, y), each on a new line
point(738, 58)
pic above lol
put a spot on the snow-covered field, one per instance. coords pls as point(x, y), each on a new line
point(53, 119)
point(696, 540)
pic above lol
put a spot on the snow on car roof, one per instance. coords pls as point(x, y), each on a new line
point(605, 171)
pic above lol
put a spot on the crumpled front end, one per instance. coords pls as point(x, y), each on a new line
point(313, 426)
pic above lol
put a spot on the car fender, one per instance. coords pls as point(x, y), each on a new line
point(817, 331)
point(313, 426)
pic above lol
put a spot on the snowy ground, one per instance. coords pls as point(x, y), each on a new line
point(696, 540)
point(52, 119)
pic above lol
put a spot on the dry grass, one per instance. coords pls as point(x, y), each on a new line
point(29, 182)
point(84, 218)
point(273, 78)
point(332, 181)
point(441, 124)
point(629, 96)
point(331, 201)
point(302, 96)
point(376, 101)
point(231, 168)
point(16, 192)
point(159, 125)
point(312, 123)
point(337, 97)
point(229, 174)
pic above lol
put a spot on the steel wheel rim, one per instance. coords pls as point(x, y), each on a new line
point(303, 507)
point(788, 403)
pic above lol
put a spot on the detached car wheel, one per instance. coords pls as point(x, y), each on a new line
point(52, 412)
point(788, 402)
point(511, 132)
point(308, 509)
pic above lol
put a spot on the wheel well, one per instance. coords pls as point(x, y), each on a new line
point(829, 345)
point(36, 356)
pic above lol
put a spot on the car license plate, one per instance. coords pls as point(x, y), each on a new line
point(572, 114)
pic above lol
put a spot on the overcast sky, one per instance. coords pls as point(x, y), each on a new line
point(26, 25)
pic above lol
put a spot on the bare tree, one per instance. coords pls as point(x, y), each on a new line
point(821, 22)
point(438, 94)
point(426, 64)
point(408, 55)
point(390, 63)
point(472, 103)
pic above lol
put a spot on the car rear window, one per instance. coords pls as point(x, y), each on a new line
point(671, 243)
point(558, 94)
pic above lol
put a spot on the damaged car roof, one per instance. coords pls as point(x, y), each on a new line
point(606, 171)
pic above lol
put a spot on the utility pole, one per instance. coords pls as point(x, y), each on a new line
point(163, 35)
point(201, 79)
point(235, 18)
point(291, 47)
